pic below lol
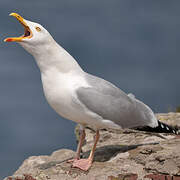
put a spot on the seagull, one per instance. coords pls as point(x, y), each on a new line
point(81, 97)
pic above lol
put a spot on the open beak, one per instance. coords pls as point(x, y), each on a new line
point(27, 32)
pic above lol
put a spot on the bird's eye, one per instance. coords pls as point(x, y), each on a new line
point(38, 29)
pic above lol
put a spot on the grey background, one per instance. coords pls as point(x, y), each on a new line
point(134, 44)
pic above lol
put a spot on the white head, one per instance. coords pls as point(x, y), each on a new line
point(35, 35)
point(38, 42)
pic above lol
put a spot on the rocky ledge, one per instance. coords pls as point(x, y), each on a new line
point(127, 154)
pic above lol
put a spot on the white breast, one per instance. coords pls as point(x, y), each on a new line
point(60, 92)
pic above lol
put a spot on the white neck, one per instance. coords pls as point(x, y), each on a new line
point(52, 56)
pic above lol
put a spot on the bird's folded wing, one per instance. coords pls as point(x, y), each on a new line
point(120, 109)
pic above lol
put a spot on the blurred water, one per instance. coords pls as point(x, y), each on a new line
point(134, 44)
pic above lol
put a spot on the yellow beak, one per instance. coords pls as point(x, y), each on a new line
point(27, 32)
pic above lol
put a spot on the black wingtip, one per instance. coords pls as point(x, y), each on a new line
point(164, 128)
point(161, 128)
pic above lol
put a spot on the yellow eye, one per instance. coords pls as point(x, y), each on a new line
point(38, 29)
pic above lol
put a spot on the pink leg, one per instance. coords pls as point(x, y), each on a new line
point(78, 151)
point(85, 164)
point(82, 137)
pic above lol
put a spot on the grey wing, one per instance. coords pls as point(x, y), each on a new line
point(111, 103)
point(121, 110)
point(103, 86)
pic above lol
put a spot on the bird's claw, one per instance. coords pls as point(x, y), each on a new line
point(83, 164)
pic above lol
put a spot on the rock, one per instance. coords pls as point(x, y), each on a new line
point(127, 154)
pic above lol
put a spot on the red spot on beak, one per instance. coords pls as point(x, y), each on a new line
point(8, 40)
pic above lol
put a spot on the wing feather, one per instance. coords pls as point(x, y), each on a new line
point(121, 110)
point(111, 103)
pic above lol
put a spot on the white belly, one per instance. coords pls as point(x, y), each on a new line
point(60, 93)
